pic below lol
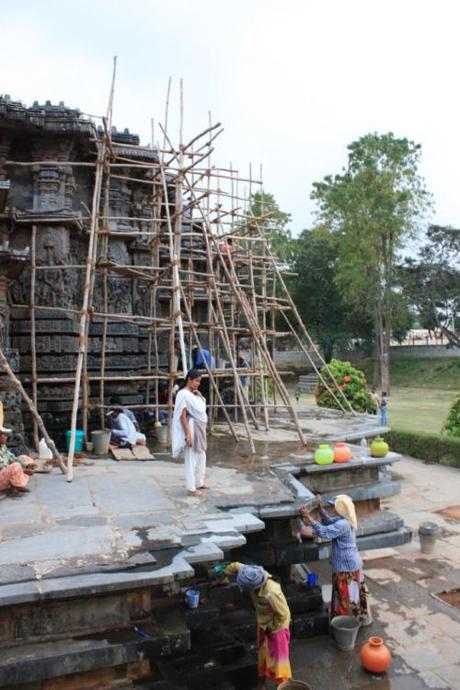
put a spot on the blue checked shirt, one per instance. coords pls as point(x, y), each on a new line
point(345, 555)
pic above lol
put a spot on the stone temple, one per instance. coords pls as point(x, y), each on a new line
point(110, 255)
point(116, 267)
point(55, 199)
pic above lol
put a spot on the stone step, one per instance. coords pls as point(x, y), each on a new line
point(311, 624)
point(28, 663)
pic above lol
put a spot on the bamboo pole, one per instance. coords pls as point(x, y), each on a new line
point(33, 344)
point(32, 409)
point(208, 369)
point(92, 245)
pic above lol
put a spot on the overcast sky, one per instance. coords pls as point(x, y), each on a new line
point(292, 81)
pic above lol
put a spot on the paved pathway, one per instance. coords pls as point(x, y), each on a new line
point(422, 632)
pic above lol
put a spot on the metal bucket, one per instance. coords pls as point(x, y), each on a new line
point(101, 440)
point(345, 629)
point(294, 685)
point(162, 434)
point(427, 532)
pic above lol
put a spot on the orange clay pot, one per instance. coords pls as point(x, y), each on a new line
point(342, 453)
point(375, 657)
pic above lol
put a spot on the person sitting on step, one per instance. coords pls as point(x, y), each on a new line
point(14, 471)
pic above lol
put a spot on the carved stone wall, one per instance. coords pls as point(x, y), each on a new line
point(55, 198)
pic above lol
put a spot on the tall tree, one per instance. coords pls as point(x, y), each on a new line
point(315, 291)
point(431, 281)
point(374, 206)
point(276, 222)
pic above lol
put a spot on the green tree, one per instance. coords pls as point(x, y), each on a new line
point(351, 382)
point(431, 282)
point(374, 206)
point(275, 224)
point(452, 424)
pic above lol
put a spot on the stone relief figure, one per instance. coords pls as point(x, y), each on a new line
point(119, 295)
point(51, 288)
point(141, 297)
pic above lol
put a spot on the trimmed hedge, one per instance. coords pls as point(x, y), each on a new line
point(436, 448)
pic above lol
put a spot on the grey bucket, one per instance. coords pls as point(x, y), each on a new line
point(101, 441)
point(294, 685)
point(162, 434)
point(345, 629)
point(427, 532)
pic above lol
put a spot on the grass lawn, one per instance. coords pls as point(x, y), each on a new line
point(412, 409)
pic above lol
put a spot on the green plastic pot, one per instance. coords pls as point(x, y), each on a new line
point(379, 448)
point(324, 455)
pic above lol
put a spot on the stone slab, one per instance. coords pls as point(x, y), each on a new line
point(32, 663)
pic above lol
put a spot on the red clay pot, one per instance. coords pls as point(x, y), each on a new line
point(342, 453)
point(375, 657)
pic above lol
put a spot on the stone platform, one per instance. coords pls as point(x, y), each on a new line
point(84, 565)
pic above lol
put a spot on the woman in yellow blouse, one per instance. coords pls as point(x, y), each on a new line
point(273, 619)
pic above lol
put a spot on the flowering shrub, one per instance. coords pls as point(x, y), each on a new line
point(452, 424)
point(351, 382)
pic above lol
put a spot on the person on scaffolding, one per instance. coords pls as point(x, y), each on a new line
point(189, 432)
point(227, 251)
point(273, 620)
point(14, 471)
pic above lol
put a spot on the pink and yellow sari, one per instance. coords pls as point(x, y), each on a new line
point(274, 655)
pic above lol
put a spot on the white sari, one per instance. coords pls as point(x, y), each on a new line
point(196, 408)
point(194, 460)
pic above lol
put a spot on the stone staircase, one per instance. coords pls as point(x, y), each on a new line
point(308, 382)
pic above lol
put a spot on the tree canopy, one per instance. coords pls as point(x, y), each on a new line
point(373, 207)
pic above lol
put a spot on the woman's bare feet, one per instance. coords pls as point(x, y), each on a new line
point(194, 493)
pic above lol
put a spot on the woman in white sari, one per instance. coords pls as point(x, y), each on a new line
point(189, 432)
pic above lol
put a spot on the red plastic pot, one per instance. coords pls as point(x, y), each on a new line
point(375, 657)
point(342, 453)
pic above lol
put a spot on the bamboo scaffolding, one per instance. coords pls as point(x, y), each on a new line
point(183, 274)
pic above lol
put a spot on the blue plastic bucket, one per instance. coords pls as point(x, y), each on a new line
point(312, 579)
point(79, 438)
point(192, 598)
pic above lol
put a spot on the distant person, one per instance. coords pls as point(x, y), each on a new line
point(384, 409)
point(187, 210)
point(375, 401)
point(14, 471)
point(245, 380)
point(297, 394)
point(116, 400)
point(227, 250)
point(200, 356)
point(124, 433)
